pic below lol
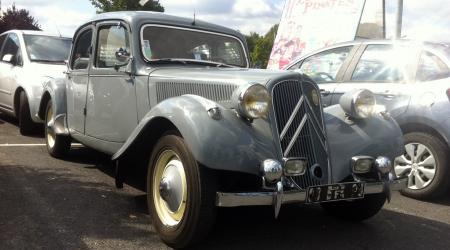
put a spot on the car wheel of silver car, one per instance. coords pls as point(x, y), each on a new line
point(57, 145)
point(180, 193)
point(26, 125)
point(356, 210)
point(425, 163)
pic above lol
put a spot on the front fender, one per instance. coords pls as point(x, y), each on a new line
point(229, 143)
point(55, 91)
point(374, 137)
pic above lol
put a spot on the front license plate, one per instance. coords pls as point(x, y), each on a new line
point(335, 192)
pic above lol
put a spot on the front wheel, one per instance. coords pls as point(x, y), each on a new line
point(57, 145)
point(356, 210)
point(26, 124)
point(425, 164)
point(180, 193)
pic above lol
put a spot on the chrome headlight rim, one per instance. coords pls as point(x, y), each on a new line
point(247, 96)
point(359, 103)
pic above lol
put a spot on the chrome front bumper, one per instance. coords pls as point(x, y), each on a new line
point(272, 198)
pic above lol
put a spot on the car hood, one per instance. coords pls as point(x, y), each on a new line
point(217, 84)
point(48, 70)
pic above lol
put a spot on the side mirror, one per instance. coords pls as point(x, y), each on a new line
point(8, 58)
point(122, 55)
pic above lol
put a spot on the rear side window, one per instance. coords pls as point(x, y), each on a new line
point(82, 50)
point(431, 68)
point(324, 67)
point(382, 63)
point(12, 47)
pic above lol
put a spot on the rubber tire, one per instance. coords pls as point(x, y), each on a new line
point(440, 184)
point(200, 213)
point(62, 143)
point(26, 125)
point(356, 210)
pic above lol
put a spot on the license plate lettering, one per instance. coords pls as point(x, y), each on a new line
point(334, 192)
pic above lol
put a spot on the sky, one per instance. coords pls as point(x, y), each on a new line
point(426, 20)
point(243, 15)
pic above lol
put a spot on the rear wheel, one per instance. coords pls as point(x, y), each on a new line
point(26, 125)
point(57, 145)
point(180, 193)
point(356, 210)
point(425, 164)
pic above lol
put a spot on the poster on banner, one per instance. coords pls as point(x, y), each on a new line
point(307, 25)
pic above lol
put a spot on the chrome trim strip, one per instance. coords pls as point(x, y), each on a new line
point(296, 134)
point(315, 117)
point(322, 143)
point(291, 118)
point(267, 198)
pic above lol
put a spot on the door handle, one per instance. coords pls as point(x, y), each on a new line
point(324, 92)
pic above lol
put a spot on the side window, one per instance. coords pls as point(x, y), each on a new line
point(324, 67)
point(81, 52)
point(381, 63)
point(12, 49)
point(111, 39)
point(431, 68)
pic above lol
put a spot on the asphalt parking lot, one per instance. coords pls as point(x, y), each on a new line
point(73, 204)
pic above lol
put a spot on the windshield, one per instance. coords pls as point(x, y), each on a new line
point(166, 42)
point(47, 48)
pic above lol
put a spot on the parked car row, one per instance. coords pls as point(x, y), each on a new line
point(177, 98)
point(412, 80)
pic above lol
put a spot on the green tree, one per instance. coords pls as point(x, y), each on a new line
point(261, 53)
point(119, 5)
point(252, 40)
point(15, 18)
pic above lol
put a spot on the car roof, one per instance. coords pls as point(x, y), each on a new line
point(34, 32)
point(161, 18)
point(368, 41)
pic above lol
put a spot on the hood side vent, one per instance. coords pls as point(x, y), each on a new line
point(214, 91)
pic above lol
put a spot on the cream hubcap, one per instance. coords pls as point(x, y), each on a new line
point(169, 188)
point(50, 135)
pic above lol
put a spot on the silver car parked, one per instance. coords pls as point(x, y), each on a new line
point(29, 59)
point(176, 96)
point(412, 80)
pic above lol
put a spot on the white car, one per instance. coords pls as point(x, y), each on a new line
point(28, 59)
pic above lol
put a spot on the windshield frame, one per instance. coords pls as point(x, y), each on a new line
point(141, 40)
point(56, 37)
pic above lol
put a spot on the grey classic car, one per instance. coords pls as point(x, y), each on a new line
point(175, 96)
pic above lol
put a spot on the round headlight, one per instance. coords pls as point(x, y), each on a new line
point(364, 104)
point(254, 101)
point(358, 103)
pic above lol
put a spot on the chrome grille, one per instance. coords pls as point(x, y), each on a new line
point(300, 127)
point(218, 92)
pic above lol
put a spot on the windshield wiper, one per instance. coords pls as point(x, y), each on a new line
point(189, 61)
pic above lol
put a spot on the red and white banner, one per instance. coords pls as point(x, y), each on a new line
point(307, 25)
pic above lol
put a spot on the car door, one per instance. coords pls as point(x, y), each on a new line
point(111, 101)
point(326, 68)
point(384, 69)
point(10, 65)
point(78, 78)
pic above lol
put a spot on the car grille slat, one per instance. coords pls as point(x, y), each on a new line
point(300, 127)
